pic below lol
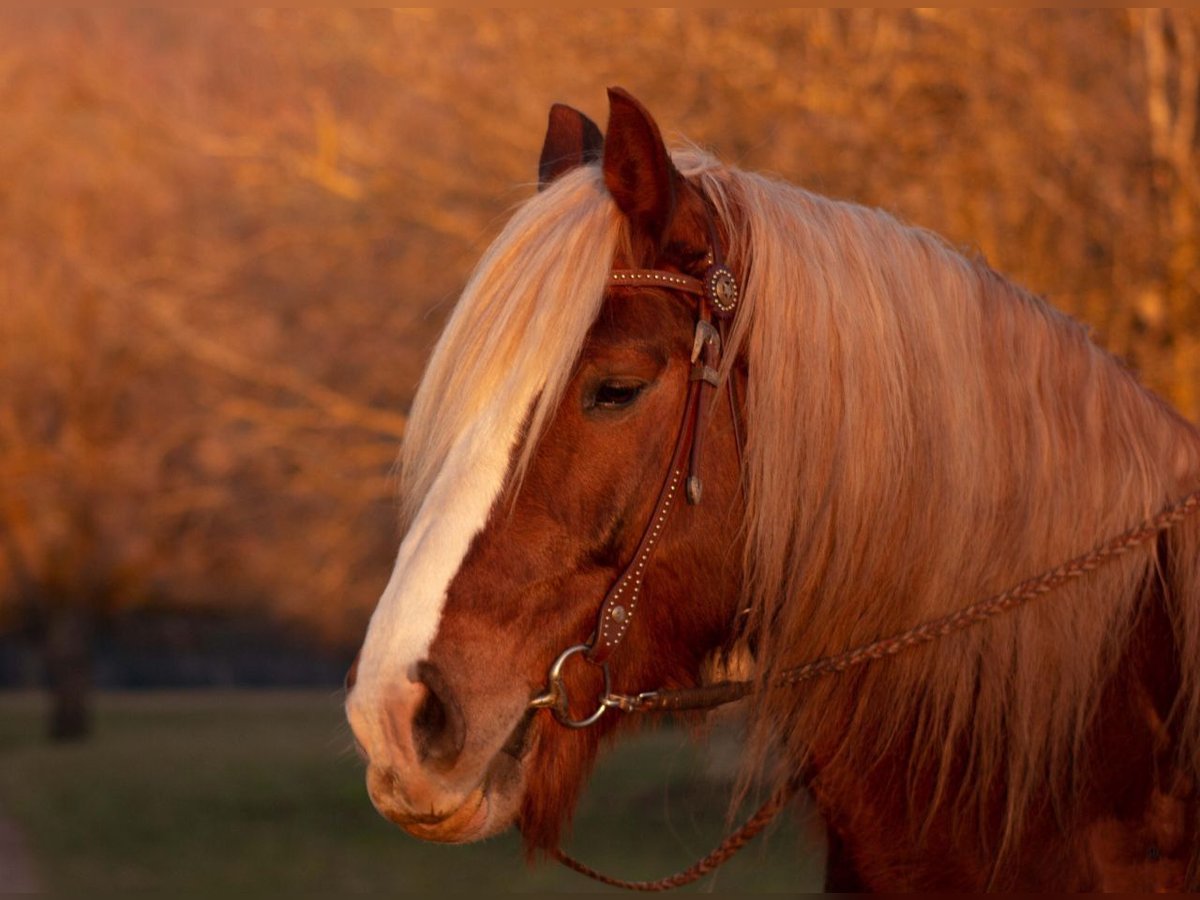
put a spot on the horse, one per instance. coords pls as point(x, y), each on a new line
point(876, 429)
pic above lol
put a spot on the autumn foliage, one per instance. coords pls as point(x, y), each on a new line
point(228, 239)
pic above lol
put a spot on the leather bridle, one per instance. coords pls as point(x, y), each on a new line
point(716, 296)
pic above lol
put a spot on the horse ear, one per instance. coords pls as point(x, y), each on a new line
point(638, 171)
point(572, 139)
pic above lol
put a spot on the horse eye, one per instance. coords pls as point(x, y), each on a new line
point(616, 394)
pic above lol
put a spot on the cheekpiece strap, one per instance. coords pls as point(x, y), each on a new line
point(717, 298)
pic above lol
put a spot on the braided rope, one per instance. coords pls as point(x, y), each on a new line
point(925, 633)
point(720, 855)
point(1016, 596)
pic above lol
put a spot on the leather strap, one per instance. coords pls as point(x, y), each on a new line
point(717, 296)
point(657, 278)
point(619, 606)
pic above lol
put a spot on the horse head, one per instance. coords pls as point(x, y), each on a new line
point(535, 479)
point(919, 432)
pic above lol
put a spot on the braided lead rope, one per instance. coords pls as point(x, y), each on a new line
point(1016, 596)
point(721, 692)
point(924, 633)
point(720, 855)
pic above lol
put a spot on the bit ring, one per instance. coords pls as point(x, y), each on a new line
point(556, 700)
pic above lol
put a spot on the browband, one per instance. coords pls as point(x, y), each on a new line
point(718, 286)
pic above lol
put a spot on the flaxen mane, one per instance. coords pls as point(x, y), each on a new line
point(924, 434)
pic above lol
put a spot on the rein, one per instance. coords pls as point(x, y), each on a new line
point(717, 296)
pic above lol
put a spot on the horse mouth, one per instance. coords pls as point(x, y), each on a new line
point(451, 819)
point(466, 823)
point(483, 811)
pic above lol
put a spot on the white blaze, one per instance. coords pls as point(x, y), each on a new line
point(513, 337)
point(452, 514)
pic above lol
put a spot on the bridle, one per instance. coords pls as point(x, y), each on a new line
point(716, 297)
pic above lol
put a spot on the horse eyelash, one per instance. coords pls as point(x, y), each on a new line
point(615, 394)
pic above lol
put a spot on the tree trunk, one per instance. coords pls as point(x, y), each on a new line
point(69, 673)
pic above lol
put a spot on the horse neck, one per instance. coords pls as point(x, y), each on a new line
point(983, 440)
point(993, 441)
point(1070, 428)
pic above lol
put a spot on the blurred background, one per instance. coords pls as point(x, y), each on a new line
point(227, 242)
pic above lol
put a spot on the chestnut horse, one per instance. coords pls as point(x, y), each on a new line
point(910, 432)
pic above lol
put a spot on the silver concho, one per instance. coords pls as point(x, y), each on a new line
point(721, 288)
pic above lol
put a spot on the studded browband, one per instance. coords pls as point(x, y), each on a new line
point(718, 286)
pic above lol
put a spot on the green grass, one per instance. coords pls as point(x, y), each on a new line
point(221, 791)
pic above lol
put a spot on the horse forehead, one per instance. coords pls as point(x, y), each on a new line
point(645, 318)
point(636, 333)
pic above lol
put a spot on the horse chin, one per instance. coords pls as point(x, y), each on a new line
point(470, 822)
point(488, 809)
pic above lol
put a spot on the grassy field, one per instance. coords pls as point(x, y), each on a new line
point(221, 791)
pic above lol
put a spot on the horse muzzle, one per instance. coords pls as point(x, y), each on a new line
point(433, 769)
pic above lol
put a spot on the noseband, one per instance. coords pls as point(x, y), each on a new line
point(716, 299)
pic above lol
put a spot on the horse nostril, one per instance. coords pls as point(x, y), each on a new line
point(438, 728)
point(430, 725)
point(352, 674)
